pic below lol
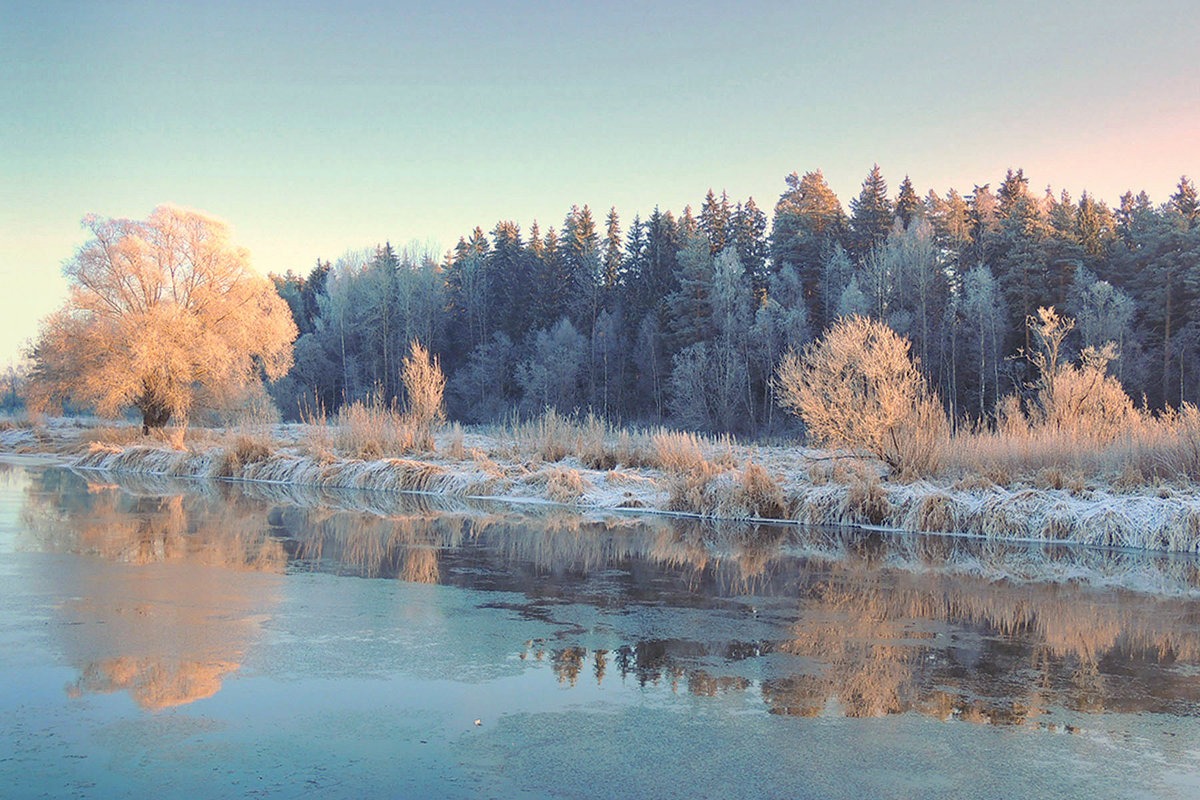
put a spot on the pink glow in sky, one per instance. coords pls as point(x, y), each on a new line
point(318, 128)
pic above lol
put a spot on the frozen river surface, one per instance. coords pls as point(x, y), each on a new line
point(200, 640)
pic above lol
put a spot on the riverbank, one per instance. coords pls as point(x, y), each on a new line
point(588, 466)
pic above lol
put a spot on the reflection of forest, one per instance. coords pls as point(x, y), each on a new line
point(861, 624)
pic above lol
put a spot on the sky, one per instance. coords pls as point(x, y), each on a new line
point(316, 128)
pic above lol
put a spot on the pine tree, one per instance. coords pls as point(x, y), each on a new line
point(512, 270)
point(1094, 227)
point(689, 306)
point(871, 215)
point(808, 224)
point(612, 260)
point(1184, 201)
point(908, 205)
point(715, 219)
point(749, 227)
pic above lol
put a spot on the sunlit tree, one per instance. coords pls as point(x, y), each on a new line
point(857, 387)
point(164, 315)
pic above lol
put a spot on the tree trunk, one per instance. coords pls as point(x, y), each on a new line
point(154, 415)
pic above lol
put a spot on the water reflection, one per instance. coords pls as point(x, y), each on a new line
point(171, 629)
point(811, 621)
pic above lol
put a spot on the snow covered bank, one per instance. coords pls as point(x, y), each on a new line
point(684, 476)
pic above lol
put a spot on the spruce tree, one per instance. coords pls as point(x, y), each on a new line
point(715, 220)
point(1184, 201)
point(908, 205)
point(871, 215)
point(808, 224)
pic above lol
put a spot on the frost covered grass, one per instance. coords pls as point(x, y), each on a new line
point(1134, 491)
point(1147, 451)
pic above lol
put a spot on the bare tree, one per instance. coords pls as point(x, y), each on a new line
point(164, 315)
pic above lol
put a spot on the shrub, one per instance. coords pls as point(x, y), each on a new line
point(857, 387)
point(425, 386)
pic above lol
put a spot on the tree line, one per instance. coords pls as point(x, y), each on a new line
point(684, 318)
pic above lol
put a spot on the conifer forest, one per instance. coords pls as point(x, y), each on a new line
point(682, 317)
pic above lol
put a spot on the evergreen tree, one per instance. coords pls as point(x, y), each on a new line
point(580, 249)
point(512, 269)
point(808, 224)
point(1094, 225)
point(871, 215)
point(985, 225)
point(952, 227)
point(715, 221)
point(1185, 203)
point(689, 306)
point(908, 205)
point(659, 275)
point(613, 272)
point(749, 237)
point(553, 286)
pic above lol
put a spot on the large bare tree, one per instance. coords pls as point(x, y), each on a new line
point(164, 315)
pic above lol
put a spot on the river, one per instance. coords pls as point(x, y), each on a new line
point(188, 639)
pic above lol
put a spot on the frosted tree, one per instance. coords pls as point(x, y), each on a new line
point(837, 270)
point(608, 351)
point(691, 396)
point(483, 388)
point(982, 310)
point(853, 301)
point(731, 297)
point(913, 255)
point(650, 363)
point(551, 376)
point(1103, 313)
point(857, 387)
point(1084, 400)
point(164, 315)
point(424, 390)
point(780, 324)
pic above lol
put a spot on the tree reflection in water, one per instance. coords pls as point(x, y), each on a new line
point(842, 622)
point(169, 631)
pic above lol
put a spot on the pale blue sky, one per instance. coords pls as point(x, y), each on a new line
point(315, 128)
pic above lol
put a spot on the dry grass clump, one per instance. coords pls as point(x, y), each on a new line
point(937, 512)
point(866, 499)
point(633, 449)
point(245, 450)
point(565, 485)
point(761, 494)
point(677, 451)
point(593, 444)
point(692, 491)
point(1059, 478)
point(372, 430)
point(1148, 450)
point(552, 436)
point(112, 435)
point(713, 490)
point(454, 447)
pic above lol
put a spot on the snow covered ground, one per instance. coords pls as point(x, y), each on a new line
point(720, 480)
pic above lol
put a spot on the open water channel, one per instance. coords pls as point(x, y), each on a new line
point(169, 639)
